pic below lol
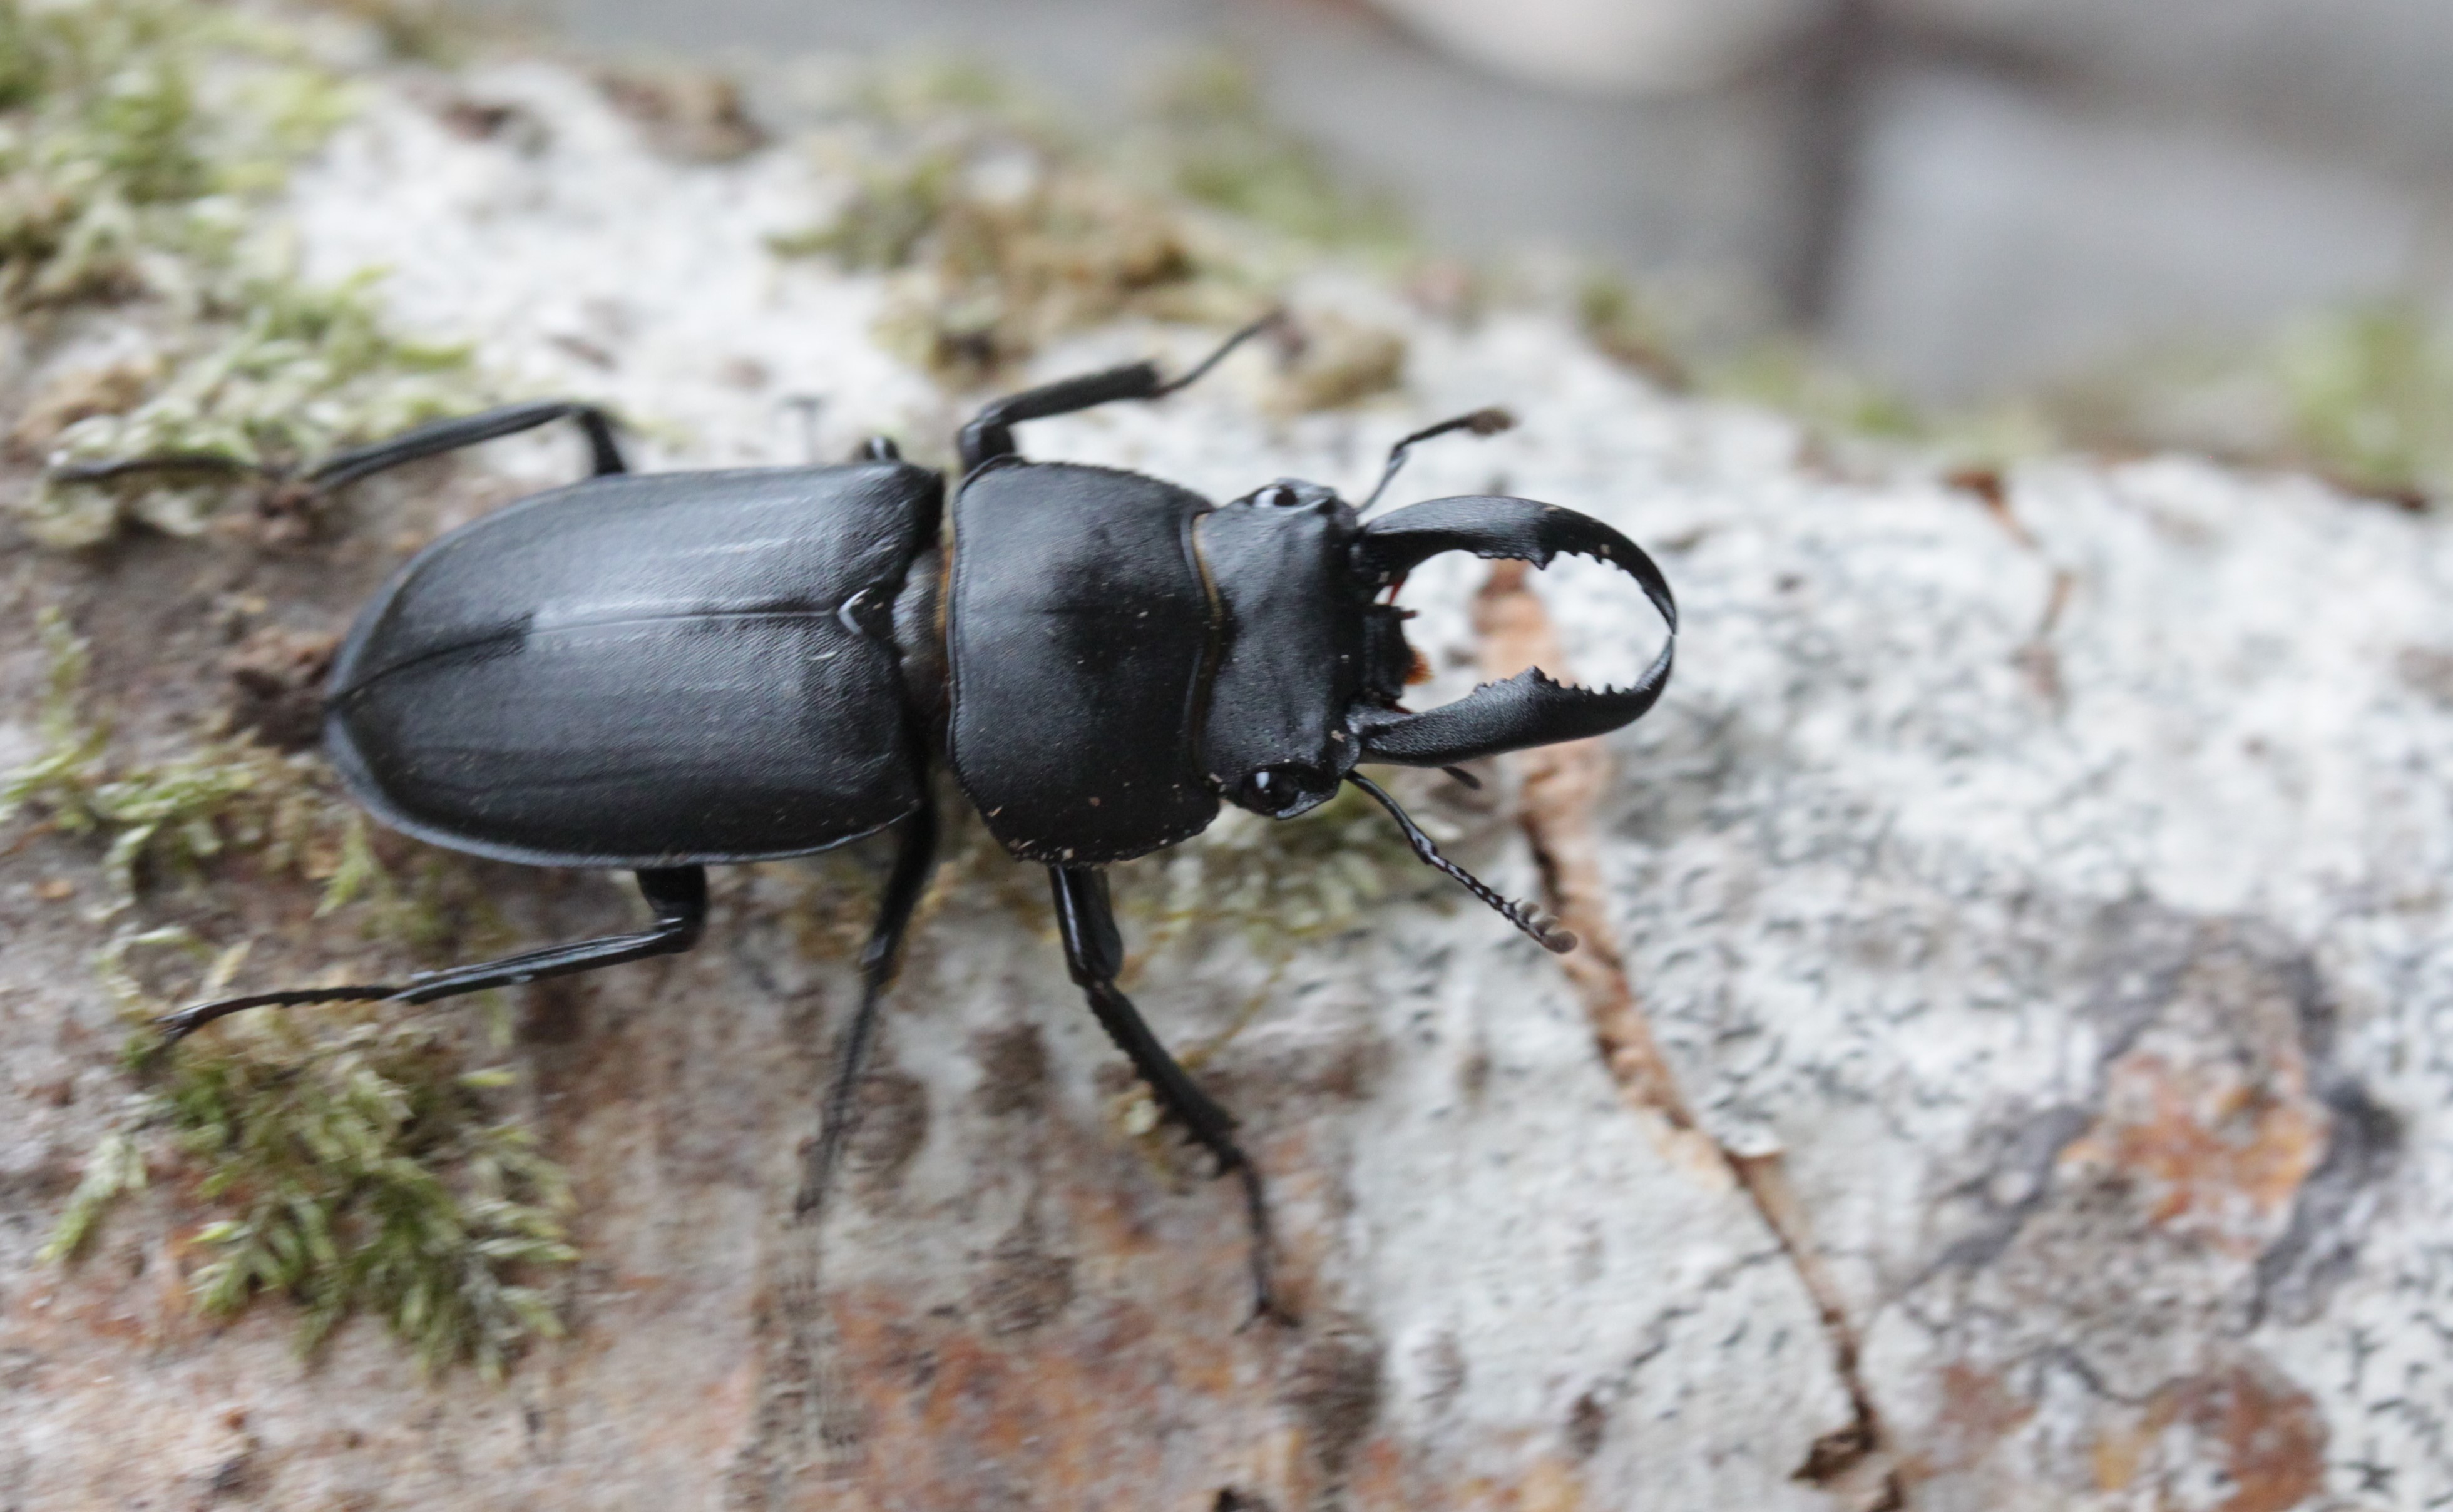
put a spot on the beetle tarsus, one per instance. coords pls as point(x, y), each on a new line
point(164, 462)
point(187, 1021)
point(1200, 369)
point(1266, 1306)
point(1094, 953)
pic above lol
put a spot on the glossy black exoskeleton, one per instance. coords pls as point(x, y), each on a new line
point(666, 672)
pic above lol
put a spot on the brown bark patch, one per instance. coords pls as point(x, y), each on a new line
point(1978, 1411)
point(2215, 1155)
point(2265, 1432)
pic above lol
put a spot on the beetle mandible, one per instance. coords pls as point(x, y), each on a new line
point(666, 672)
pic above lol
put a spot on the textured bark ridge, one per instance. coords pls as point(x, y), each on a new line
point(2002, 1071)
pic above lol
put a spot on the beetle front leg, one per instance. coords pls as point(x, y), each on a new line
point(1095, 952)
point(990, 433)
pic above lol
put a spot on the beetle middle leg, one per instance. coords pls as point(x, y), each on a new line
point(677, 894)
point(1095, 952)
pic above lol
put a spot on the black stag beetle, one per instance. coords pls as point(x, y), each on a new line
point(666, 673)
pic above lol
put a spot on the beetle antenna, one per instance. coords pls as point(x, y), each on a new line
point(1544, 929)
point(1200, 369)
point(1489, 421)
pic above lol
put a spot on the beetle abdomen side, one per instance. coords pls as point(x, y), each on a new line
point(645, 671)
point(1078, 632)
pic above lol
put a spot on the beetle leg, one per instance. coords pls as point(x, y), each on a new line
point(990, 433)
point(1095, 952)
point(878, 961)
point(678, 895)
point(345, 468)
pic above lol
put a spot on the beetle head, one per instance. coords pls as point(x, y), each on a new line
point(1278, 565)
point(1528, 710)
point(1313, 667)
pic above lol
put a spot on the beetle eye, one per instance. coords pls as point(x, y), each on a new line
point(1276, 496)
point(1284, 791)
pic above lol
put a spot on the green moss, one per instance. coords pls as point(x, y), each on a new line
point(1217, 144)
point(367, 1172)
point(1004, 231)
point(280, 374)
point(1787, 377)
point(997, 259)
point(442, 32)
point(359, 1171)
point(125, 127)
point(358, 1165)
point(2371, 398)
point(2362, 396)
point(889, 216)
point(167, 816)
point(67, 766)
point(1625, 328)
point(1278, 885)
point(141, 142)
point(219, 799)
point(113, 1169)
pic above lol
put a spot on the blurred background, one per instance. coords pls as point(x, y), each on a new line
point(1959, 199)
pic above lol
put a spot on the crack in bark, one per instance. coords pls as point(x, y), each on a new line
point(1560, 792)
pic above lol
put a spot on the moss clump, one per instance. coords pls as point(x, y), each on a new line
point(222, 798)
point(141, 143)
point(364, 1171)
point(360, 1168)
point(1278, 883)
point(2369, 399)
point(168, 817)
point(279, 375)
point(435, 32)
point(131, 131)
point(168, 813)
point(1623, 327)
point(1003, 231)
point(1213, 140)
point(1001, 248)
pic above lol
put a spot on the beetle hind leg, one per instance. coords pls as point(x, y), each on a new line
point(345, 467)
point(677, 895)
point(878, 961)
point(1095, 952)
